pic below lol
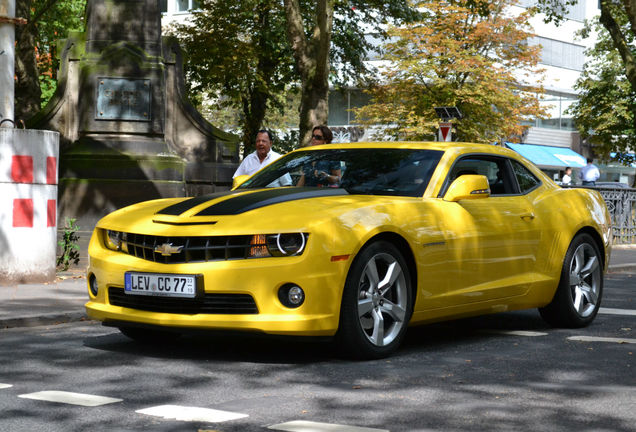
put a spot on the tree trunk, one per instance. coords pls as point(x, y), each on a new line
point(630, 8)
point(254, 108)
point(312, 61)
point(255, 104)
point(27, 86)
point(619, 40)
point(314, 109)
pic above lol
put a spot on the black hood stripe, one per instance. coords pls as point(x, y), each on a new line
point(247, 202)
point(184, 206)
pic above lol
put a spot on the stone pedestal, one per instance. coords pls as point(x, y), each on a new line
point(128, 133)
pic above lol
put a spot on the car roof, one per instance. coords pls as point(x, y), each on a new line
point(451, 149)
point(456, 147)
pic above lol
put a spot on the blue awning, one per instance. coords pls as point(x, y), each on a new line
point(549, 156)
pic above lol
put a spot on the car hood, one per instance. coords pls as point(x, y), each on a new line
point(235, 202)
point(244, 211)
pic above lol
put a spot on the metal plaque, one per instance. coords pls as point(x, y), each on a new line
point(123, 99)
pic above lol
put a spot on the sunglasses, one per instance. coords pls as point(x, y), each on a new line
point(318, 137)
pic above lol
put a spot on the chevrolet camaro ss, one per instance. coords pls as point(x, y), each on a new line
point(409, 233)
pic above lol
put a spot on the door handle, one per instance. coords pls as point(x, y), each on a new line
point(527, 216)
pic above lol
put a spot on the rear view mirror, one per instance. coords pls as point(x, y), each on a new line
point(468, 186)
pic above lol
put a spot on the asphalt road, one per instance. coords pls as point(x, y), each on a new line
point(505, 372)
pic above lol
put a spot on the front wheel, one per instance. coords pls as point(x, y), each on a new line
point(376, 303)
point(578, 296)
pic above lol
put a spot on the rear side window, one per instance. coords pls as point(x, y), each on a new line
point(527, 181)
point(494, 168)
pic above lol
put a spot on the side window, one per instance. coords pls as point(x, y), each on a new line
point(494, 168)
point(527, 181)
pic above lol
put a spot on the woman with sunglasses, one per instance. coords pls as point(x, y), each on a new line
point(321, 173)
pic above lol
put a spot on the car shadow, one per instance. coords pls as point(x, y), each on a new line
point(267, 349)
point(232, 347)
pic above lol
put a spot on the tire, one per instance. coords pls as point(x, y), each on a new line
point(149, 336)
point(578, 296)
point(376, 303)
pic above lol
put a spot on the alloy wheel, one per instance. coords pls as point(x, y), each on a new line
point(382, 299)
point(585, 279)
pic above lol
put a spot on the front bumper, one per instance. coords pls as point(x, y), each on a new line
point(321, 279)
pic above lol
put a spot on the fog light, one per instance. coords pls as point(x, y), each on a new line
point(291, 295)
point(296, 295)
point(92, 284)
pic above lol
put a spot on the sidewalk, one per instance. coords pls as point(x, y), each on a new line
point(28, 305)
point(63, 300)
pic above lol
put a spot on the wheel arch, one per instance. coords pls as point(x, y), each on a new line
point(405, 249)
point(598, 240)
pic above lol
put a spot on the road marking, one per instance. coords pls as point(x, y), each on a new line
point(3, 386)
point(71, 398)
point(308, 426)
point(613, 311)
point(516, 333)
point(602, 339)
point(184, 413)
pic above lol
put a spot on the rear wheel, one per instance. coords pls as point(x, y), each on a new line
point(376, 302)
point(578, 297)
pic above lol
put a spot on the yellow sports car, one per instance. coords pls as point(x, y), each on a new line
point(380, 236)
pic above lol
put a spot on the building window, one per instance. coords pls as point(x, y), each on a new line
point(340, 104)
point(560, 54)
point(575, 12)
point(557, 117)
point(178, 6)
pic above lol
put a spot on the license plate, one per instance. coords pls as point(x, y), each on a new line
point(159, 284)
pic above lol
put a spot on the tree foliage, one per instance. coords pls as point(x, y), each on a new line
point(36, 50)
point(237, 52)
point(244, 54)
point(327, 32)
point(606, 108)
point(459, 54)
point(616, 54)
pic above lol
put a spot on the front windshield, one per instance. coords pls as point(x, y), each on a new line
point(379, 171)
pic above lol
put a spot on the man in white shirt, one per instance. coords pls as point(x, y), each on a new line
point(263, 156)
point(589, 174)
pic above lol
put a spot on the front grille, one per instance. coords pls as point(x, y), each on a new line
point(192, 249)
point(211, 303)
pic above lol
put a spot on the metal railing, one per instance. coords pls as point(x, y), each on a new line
point(621, 203)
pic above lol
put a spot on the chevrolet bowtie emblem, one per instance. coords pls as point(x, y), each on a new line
point(167, 249)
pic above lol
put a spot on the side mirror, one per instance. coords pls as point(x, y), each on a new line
point(239, 180)
point(468, 186)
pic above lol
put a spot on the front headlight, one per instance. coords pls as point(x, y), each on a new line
point(114, 240)
point(286, 244)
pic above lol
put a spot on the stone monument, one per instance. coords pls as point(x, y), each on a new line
point(127, 130)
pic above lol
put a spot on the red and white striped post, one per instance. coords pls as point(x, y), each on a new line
point(28, 204)
point(28, 179)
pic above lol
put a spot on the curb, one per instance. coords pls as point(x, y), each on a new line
point(622, 268)
point(42, 320)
